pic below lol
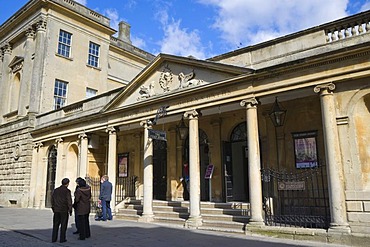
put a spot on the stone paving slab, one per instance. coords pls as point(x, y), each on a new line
point(33, 227)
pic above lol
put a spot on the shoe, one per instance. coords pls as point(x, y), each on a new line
point(97, 219)
point(62, 241)
point(80, 238)
point(76, 232)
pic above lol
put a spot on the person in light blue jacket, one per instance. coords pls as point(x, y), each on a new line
point(105, 197)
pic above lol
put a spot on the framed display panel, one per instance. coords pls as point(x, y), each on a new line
point(305, 149)
point(123, 165)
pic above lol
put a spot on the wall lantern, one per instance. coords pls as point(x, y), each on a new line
point(277, 114)
point(182, 129)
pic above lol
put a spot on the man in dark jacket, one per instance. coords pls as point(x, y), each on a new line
point(105, 197)
point(82, 202)
point(61, 204)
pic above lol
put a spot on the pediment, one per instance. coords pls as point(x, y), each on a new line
point(16, 64)
point(171, 75)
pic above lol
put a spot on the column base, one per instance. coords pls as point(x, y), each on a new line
point(146, 218)
point(256, 223)
point(339, 229)
point(194, 222)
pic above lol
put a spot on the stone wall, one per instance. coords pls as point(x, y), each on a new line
point(15, 164)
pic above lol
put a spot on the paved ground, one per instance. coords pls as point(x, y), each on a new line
point(32, 227)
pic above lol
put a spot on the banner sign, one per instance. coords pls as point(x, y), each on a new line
point(209, 171)
point(157, 135)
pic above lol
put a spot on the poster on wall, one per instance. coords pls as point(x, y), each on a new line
point(305, 149)
point(123, 165)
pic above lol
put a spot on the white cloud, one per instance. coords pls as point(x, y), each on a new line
point(253, 21)
point(177, 40)
point(365, 6)
point(83, 2)
point(138, 42)
point(114, 17)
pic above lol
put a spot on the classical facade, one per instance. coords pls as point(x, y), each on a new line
point(282, 125)
point(53, 54)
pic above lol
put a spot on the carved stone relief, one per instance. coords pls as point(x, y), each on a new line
point(188, 80)
point(165, 81)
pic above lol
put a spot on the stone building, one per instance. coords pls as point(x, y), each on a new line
point(53, 54)
point(282, 125)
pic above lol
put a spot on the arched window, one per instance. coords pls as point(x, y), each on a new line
point(239, 133)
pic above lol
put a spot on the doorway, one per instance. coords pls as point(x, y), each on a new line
point(235, 160)
point(51, 172)
point(159, 169)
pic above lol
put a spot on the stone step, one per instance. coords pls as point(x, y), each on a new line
point(129, 211)
point(176, 215)
point(234, 226)
point(217, 211)
point(226, 218)
point(223, 217)
point(123, 216)
point(169, 220)
point(170, 209)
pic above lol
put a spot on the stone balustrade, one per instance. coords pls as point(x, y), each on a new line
point(348, 27)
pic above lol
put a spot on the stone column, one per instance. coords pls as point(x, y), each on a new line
point(41, 177)
point(60, 169)
point(112, 162)
point(148, 174)
point(34, 169)
point(38, 67)
point(25, 94)
point(254, 165)
point(195, 218)
point(5, 81)
point(333, 159)
point(83, 155)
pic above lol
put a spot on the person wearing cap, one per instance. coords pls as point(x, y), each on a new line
point(61, 204)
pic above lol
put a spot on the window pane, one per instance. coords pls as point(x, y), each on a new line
point(60, 94)
point(64, 45)
point(93, 58)
point(90, 92)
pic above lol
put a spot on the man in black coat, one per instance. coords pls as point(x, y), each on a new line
point(61, 204)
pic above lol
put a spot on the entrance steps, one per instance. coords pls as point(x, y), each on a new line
point(225, 217)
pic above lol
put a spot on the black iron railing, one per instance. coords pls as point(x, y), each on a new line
point(125, 187)
point(298, 199)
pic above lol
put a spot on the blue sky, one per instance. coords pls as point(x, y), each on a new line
point(206, 28)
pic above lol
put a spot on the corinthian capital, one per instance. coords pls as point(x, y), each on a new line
point(7, 49)
point(30, 33)
point(41, 25)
